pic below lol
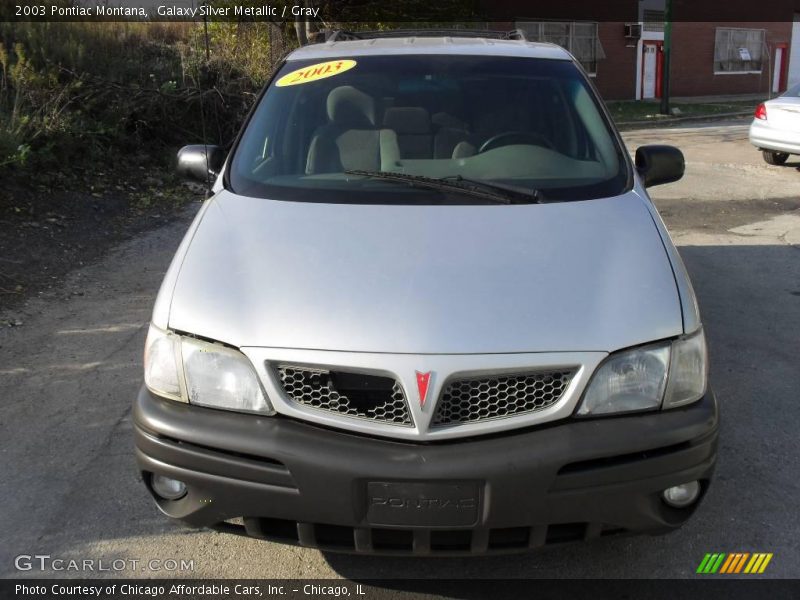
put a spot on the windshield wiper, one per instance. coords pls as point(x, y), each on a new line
point(489, 192)
point(518, 193)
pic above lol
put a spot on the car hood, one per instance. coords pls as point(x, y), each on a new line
point(571, 276)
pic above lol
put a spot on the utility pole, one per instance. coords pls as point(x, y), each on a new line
point(665, 64)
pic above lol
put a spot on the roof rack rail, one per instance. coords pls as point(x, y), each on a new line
point(340, 35)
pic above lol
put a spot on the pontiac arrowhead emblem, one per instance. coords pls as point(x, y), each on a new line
point(423, 379)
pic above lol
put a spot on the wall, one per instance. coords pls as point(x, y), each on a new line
point(693, 59)
point(616, 74)
point(794, 61)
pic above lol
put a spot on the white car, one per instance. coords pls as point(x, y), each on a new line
point(776, 127)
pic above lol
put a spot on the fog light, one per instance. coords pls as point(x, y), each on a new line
point(681, 496)
point(168, 488)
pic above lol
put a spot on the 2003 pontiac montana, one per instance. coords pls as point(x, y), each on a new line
point(429, 308)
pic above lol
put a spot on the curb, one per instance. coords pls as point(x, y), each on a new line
point(666, 122)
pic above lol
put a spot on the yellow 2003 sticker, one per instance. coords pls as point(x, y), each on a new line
point(315, 72)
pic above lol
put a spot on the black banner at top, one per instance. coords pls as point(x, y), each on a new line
point(330, 12)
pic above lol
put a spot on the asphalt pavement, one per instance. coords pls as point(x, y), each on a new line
point(69, 373)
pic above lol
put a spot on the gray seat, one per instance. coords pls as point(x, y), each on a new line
point(412, 124)
point(351, 139)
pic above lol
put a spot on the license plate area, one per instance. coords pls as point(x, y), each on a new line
point(423, 504)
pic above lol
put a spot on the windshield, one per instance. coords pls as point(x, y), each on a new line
point(529, 123)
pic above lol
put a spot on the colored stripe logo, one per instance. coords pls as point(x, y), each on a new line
point(734, 563)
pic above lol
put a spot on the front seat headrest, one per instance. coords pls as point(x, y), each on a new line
point(350, 107)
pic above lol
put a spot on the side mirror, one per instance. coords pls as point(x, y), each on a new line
point(659, 164)
point(194, 163)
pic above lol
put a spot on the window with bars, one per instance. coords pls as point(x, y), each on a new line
point(653, 20)
point(580, 38)
point(738, 50)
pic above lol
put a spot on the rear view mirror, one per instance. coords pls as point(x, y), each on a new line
point(193, 162)
point(659, 164)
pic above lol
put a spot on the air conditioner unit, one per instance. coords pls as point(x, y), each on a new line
point(633, 31)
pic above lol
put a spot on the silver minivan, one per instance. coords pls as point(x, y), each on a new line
point(429, 308)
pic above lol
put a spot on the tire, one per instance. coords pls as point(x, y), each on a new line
point(774, 158)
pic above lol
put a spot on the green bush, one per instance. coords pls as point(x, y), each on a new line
point(12, 150)
point(89, 91)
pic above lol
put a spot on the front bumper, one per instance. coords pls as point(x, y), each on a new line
point(295, 482)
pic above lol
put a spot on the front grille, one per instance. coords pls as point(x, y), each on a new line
point(479, 399)
point(351, 394)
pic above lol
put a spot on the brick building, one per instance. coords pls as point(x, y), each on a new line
point(716, 48)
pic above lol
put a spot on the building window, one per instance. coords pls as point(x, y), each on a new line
point(653, 20)
point(579, 37)
point(738, 50)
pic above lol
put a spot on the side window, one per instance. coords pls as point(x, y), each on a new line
point(281, 140)
point(565, 138)
point(305, 116)
point(600, 143)
point(258, 144)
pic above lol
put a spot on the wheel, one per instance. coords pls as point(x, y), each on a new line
point(775, 158)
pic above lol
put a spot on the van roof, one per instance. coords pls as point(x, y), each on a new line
point(382, 46)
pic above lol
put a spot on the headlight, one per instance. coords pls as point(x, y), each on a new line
point(201, 373)
point(161, 375)
point(688, 371)
point(220, 377)
point(649, 377)
point(628, 381)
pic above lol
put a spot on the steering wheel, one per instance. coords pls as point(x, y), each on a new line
point(515, 137)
